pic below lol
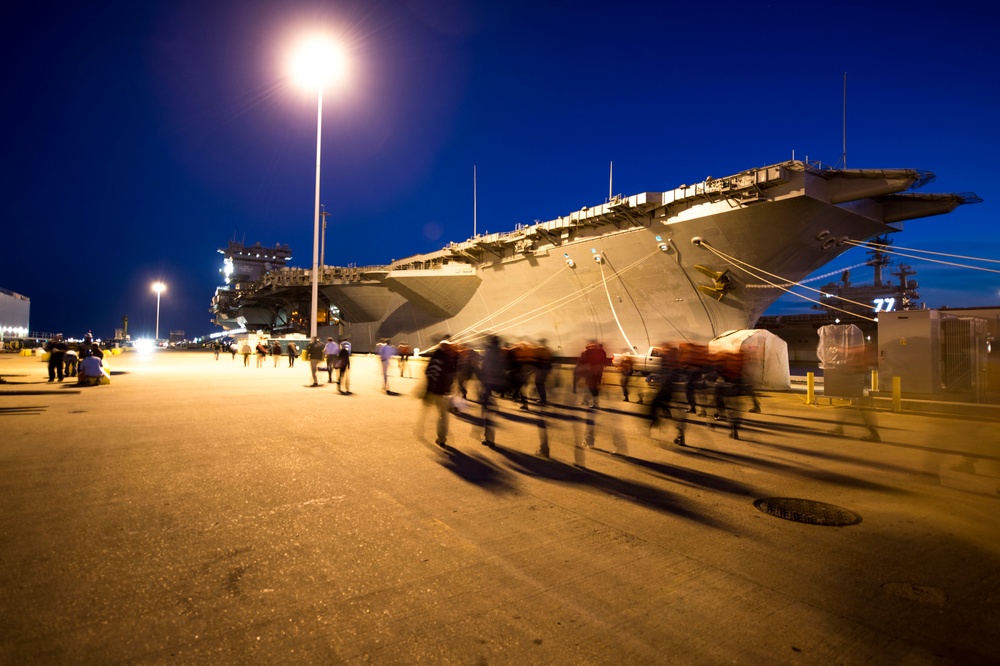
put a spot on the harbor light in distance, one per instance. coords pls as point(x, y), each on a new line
point(315, 63)
point(159, 288)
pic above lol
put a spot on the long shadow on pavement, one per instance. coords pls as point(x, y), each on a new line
point(823, 475)
point(646, 495)
point(687, 476)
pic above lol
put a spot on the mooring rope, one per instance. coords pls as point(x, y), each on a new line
point(744, 267)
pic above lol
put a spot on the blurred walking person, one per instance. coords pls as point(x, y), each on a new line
point(592, 363)
point(492, 379)
point(405, 352)
point(440, 373)
point(315, 354)
point(626, 371)
point(344, 368)
point(385, 353)
point(541, 362)
point(670, 371)
point(332, 353)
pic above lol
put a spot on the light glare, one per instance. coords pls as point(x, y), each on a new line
point(316, 62)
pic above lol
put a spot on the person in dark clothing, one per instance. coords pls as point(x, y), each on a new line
point(469, 364)
point(670, 372)
point(405, 352)
point(440, 373)
point(261, 350)
point(57, 349)
point(492, 379)
point(315, 354)
point(343, 365)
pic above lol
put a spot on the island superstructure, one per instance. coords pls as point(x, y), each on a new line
point(685, 264)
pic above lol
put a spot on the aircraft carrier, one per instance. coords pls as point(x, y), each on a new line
point(685, 264)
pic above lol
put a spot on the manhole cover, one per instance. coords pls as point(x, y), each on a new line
point(807, 511)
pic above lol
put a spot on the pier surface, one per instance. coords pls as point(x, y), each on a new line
point(198, 511)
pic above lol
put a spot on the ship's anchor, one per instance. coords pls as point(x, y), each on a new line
point(723, 283)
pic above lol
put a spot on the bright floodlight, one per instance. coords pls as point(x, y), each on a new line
point(316, 62)
point(159, 287)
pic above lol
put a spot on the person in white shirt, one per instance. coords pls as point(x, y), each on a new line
point(91, 370)
point(331, 351)
point(385, 352)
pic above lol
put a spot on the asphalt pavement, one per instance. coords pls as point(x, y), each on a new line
point(196, 511)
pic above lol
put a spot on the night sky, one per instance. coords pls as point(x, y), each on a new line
point(140, 137)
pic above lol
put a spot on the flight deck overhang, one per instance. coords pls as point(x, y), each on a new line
point(358, 302)
point(843, 185)
point(441, 292)
point(913, 205)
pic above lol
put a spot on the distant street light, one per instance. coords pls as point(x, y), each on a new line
point(159, 288)
point(316, 62)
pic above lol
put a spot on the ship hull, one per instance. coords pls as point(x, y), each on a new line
point(637, 295)
point(683, 265)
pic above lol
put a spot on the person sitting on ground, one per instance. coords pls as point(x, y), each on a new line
point(91, 370)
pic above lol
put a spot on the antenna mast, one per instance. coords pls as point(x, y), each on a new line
point(844, 128)
point(322, 247)
point(611, 173)
point(473, 200)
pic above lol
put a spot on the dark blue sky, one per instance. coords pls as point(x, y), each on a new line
point(142, 136)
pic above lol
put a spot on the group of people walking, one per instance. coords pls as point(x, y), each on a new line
point(337, 356)
point(691, 369)
point(515, 372)
point(688, 376)
point(261, 350)
point(520, 372)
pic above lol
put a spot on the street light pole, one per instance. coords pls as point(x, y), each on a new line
point(159, 288)
point(314, 63)
point(313, 313)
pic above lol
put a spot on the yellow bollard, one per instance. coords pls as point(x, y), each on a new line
point(897, 395)
point(810, 388)
point(874, 379)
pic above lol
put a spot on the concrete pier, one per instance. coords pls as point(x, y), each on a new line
point(196, 511)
